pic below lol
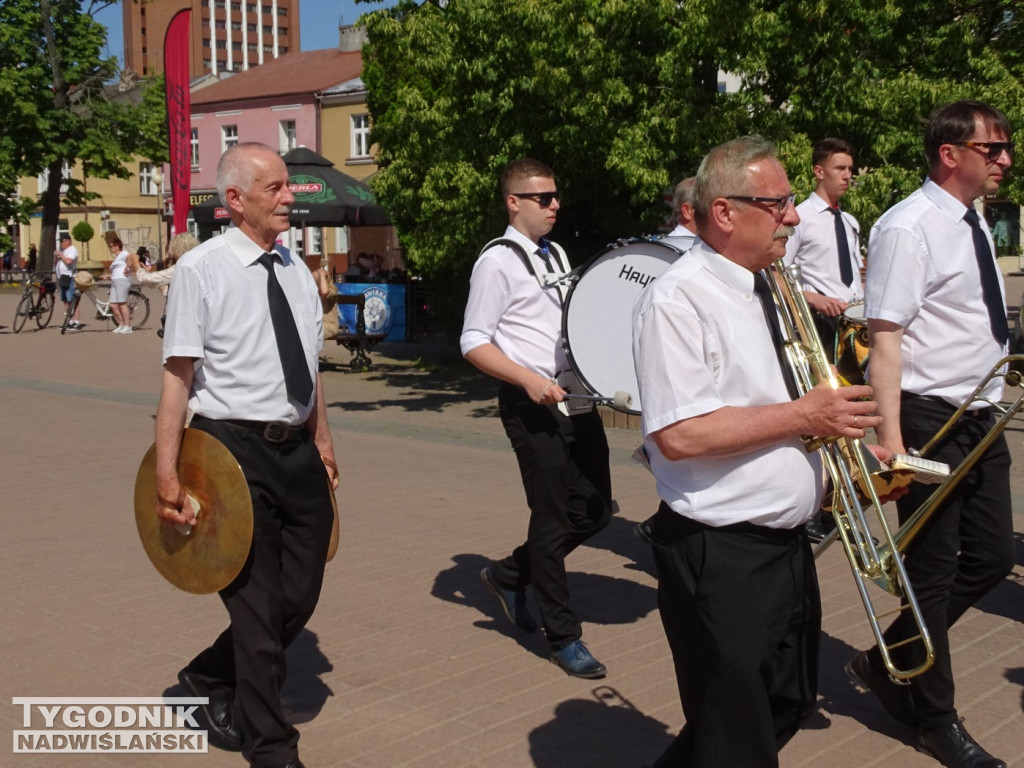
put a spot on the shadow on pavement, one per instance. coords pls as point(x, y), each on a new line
point(596, 598)
point(606, 731)
point(839, 696)
point(619, 538)
point(304, 692)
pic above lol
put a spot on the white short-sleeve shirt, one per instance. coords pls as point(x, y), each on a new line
point(218, 313)
point(923, 276)
point(700, 343)
point(508, 308)
point(814, 249)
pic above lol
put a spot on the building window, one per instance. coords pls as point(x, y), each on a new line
point(146, 184)
point(194, 144)
point(360, 135)
point(44, 180)
point(228, 137)
point(316, 239)
point(286, 135)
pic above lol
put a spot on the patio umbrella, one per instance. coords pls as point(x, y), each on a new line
point(324, 196)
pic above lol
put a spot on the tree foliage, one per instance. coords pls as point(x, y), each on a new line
point(57, 108)
point(621, 98)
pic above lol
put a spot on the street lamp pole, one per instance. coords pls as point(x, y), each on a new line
point(158, 179)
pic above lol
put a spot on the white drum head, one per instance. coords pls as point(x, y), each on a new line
point(597, 321)
point(855, 312)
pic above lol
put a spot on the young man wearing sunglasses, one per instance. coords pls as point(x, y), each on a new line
point(936, 313)
point(513, 332)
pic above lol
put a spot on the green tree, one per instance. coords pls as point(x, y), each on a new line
point(55, 107)
point(457, 92)
point(621, 98)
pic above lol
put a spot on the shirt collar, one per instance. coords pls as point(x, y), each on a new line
point(944, 201)
point(528, 245)
point(739, 279)
point(819, 202)
point(247, 251)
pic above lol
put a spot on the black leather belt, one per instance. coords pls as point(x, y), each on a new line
point(977, 413)
point(271, 431)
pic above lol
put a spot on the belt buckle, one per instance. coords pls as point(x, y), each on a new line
point(275, 432)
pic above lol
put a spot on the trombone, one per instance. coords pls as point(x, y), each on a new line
point(913, 525)
point(854, 499)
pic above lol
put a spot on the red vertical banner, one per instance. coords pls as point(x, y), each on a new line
point(179, 122)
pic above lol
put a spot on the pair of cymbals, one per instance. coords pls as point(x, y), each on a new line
point(207, 556)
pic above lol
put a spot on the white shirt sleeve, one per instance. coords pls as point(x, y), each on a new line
point(896, 280)
point(489, 298)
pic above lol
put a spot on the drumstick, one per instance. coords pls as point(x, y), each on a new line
point(620, 399)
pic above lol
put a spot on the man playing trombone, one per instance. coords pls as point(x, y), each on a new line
point(937, 322)
point(723, 421)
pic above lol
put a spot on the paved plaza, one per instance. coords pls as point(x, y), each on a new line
point(407, 661)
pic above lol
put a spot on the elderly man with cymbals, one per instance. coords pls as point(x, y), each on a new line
point(240, 351)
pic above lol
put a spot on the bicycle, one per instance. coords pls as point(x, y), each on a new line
point(37, 300)
point(138, 308)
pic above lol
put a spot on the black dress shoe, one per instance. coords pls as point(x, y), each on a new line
point(219, 714)
point(894, 697)
point(820, 526)
point(293, 763)
point(953, 746)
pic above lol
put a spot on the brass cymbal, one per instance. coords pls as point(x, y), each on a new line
point(208, 556)
point(332, 547)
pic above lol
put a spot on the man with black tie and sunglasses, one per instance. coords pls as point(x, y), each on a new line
point(937, 321)
point(513, 332)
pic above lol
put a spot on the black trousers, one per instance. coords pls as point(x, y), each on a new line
point(742, 614)
point(963, 551)
point(564, 465)
point(274, 596)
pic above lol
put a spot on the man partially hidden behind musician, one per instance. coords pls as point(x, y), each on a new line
point(737, 587)
point(232, 299)
point(513, 332)
point(826, 247)
point(937, 323)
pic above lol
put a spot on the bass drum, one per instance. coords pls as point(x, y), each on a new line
point(597, 320)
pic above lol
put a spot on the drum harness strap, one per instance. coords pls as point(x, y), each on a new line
point(541, 268)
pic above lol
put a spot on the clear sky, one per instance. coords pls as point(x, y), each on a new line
point(319, 21)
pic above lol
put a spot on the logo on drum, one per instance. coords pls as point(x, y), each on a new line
point(631, 275)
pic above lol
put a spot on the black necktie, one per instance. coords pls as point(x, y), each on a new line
point(989, 279)
point(843, 247)
point(764, 293)
point(289, 346)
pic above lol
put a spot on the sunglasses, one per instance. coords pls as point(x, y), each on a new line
point(543, 199)
point(780, 203)
point(993, 149)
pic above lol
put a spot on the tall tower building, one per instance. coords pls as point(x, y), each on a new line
point(226, 35)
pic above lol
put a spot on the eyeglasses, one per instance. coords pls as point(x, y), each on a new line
point(780, 203)
point(543, 199)
point(993, 148)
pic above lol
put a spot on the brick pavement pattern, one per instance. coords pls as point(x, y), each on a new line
point(408, 660)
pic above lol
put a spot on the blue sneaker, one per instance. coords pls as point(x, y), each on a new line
point(577, 661)
point(513, 602)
